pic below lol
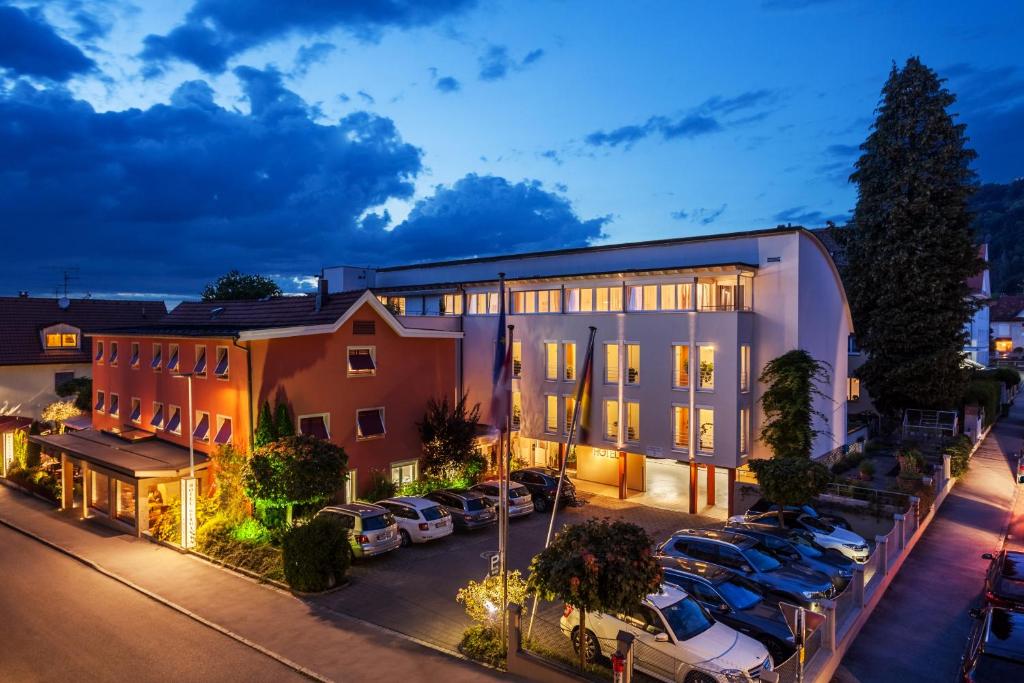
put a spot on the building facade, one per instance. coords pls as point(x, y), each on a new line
point(684, 328)
point(1008, 327)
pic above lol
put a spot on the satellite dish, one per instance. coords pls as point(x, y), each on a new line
point(64, 302)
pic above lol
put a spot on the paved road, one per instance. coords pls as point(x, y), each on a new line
point(62, 621)
point(919, 630)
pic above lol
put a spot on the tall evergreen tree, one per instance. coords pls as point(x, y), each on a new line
point(283, 424)
point(909, 249)
point(266, 430)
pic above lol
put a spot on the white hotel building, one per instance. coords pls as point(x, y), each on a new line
point(684, 327)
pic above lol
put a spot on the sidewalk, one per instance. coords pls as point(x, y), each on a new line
point(919, 630)
point(334, 646)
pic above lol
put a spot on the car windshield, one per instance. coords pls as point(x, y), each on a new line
point(817, 524)
point(475, 504)
point(687, 618)
point(762, 561)
point(378, 522)
point(518, 492)
point(739, 593)
point(432, 513)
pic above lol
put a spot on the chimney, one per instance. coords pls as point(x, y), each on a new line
point(321, 294)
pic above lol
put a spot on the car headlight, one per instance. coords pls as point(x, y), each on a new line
point(734, 675)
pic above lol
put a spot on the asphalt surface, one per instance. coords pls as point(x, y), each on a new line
point(61, 621)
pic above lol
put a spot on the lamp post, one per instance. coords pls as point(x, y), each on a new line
point(188, 484)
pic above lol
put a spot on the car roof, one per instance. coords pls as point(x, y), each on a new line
point(359, 509)
point(549, 471)
point(495, 482)
point(463, 493)
point(1004, 636)
point(704, 570)
point(1013, 565)
point(412, 501)
point(669, 595)
point(723, 535)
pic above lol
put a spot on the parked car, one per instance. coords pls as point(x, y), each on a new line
point(995, 647)
point(678, 628)
point(742, 554)
point(825, 534)
point(520, 502)
point(469, 509)
point(374, 530)
point(762, 505)
point(1004, 583)
point(419, 520)
point(542, 482)
point(735, 601)
point(797, 545)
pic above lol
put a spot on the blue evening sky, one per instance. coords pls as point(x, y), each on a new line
point(154, 145)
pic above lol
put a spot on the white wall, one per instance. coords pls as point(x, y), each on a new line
point(26, 389)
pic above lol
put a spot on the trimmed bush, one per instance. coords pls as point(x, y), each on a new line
point(959, 455)
point(867, 469)
point(380, 487)
point(484, 645)
point(984, 393)
point(38, 481)
point(317, 555)
point(1008, 376)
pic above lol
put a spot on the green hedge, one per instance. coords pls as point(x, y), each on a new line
point(317, 555)
point(38, 481)
point(1008, 376)
point(984, 393)
point(959, 453)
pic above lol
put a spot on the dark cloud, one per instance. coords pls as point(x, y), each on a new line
point(701, 216)
point(214, 31)
point(447, 84)
point(366, 97)
point(708, 117)
point(551, 155)
point(94, 18)
point(29, 46)
point(496, 62)
point(310, 55)
point(801, 215)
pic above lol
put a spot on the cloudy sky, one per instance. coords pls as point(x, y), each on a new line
point(152, 146)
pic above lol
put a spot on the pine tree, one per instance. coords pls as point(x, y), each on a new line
point(909, 249)
point(283, 421)
point(266, 430)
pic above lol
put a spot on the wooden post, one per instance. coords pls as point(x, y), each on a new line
point(693, 487)
point(711, 484)
point(622, 475)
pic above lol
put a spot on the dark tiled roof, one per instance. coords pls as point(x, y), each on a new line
point(228, 318)
point(22, 319)
point(1007, 307)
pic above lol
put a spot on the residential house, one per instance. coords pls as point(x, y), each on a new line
point(1008, 326)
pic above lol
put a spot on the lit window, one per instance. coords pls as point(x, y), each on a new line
point(136, 414)
point(199, 369)
point(480, 303)
point(680, 366)
point(361, 361)
point(174, 420)
point(202, 430)
point(572, 300)
point(550, 360)
point(705, 296)
point(706, 367)
point(452, 304)
point(60, 337)
point(632, 363)
point(551, 414)
point(113, 353)
point(744, 431)
point(100, 402)
point(706, 418)
point(158, 357)
point(517, 410)
point(632, 421)
point(53, 340)
point(157, 421)
point(221, 368)
point(223, 431)
point(569, 355)
point(115, 408)
point(315, 425)
point(570, 408)
point(608, 299)
point(611, 363)
point(517, 359)
point(395, 304)
point(172, 357)
point(404, 472)
point(611, 420)
point(370, 423)
point(852, 389)
point(668, 297)
point(744, 367)
point(680, 427)
point(99, 351)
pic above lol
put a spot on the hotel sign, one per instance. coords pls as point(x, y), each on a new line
point(188, 512)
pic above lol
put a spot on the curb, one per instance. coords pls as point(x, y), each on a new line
point(308, 673)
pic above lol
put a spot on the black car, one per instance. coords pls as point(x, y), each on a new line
point(735, 601)
point(762, 505)
point(995, 648)
point(748, 557)
point(1004, 583)
point(542, 483)
point(797, 545)
point(469, 509)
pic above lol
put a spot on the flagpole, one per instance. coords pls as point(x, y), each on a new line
point(506, 463)
point(588, 368)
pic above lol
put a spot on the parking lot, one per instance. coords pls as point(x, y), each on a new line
point(412, 590)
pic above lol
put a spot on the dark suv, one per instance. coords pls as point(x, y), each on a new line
point(542, 483)
point(469, 509)
point(797, 545)
point(735, 601)
point(995, 648)
point(1004, 583)
point(762, 505)
point(749, 558)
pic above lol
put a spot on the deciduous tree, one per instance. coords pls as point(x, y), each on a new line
point(448, 433)
point(235, 286)
point(295, 470)
point(790, 481)
point(794, 380)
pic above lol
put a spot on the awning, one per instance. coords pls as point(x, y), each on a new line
point(370, 422)
point(314, 426)
point(78, 422)
point(139, 459)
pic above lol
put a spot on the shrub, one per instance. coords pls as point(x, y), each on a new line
point(213, 532)
point(380, 487)
point(38, 481)
point(251, 531)
point(483, 600)
point(216, 538)
point(483, 644)
point(847, 462)
point(959, 455)
point(295, 470)
point(316, 555)
point(911, 463)
point(984, 393)
point(228, 466)
point(167, 525)
point(1008, 376)
point(867, 469)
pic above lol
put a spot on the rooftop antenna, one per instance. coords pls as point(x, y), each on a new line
point(69, 274)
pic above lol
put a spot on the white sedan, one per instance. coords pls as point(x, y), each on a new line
point(419, 520)
point(680, 640)
point(825, 534)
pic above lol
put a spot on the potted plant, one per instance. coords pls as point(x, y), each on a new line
point(911, 463)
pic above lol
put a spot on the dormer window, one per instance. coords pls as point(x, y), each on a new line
point(221, 368)
point(56, 337)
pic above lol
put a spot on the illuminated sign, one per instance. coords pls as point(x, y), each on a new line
point(188, 512)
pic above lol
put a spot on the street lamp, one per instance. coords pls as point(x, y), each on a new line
point(188, 485)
